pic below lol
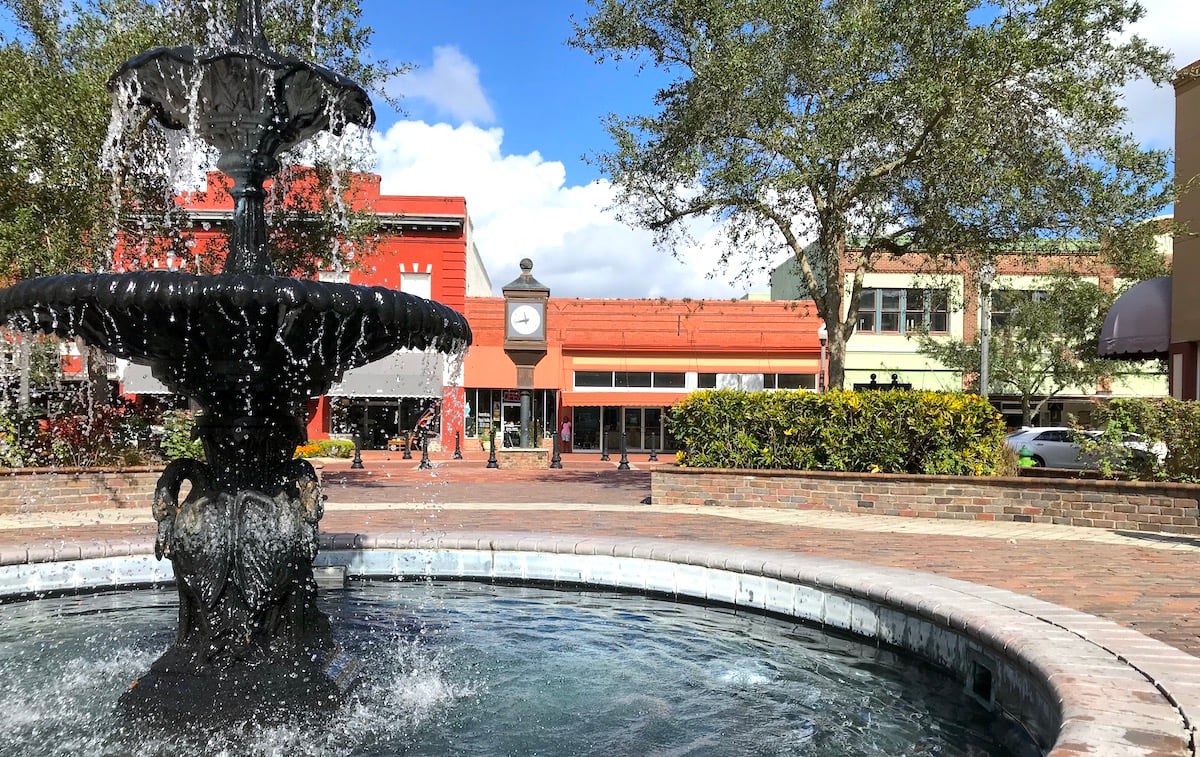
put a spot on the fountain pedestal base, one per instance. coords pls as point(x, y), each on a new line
point(176, 691)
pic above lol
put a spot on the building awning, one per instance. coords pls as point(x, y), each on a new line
point(1138, 325)
point(621, 399)
point(400, 374)
point(137, 379)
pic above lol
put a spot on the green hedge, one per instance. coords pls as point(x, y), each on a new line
point(877, 431)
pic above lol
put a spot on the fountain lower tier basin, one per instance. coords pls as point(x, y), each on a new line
point(474, 669)
point(212, 336)
point(1078, 684)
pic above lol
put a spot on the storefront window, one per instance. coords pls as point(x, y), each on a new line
point(593, 379)
point(639, 379)
point(643, 428)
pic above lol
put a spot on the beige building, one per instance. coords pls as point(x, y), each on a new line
point(1159, 318)
point(1185, 316)
point(902, 295)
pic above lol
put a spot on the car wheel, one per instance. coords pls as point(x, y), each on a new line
point(1038, 462)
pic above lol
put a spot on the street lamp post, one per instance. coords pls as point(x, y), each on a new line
point(987, 274)
point(823, 336)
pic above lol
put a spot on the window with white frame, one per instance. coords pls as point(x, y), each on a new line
point(901, 311)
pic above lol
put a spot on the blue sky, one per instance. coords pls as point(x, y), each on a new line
point(547, 97)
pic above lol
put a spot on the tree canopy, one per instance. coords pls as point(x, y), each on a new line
point(844, 131)
point(61, 206)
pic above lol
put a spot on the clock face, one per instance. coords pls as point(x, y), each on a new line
point(525, 320)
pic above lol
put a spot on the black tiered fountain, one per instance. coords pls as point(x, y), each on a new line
point(251, 348)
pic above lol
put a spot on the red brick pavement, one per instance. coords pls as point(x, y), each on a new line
point(1151, 590)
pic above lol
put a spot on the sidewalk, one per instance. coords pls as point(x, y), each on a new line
point(1144, 582)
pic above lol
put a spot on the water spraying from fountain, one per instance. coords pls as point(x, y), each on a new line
point(251, 348)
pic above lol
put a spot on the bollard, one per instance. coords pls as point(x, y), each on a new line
point(492, 462)
point(624, 462)
point(357, 464)
point(556, 457)
point(458, 445)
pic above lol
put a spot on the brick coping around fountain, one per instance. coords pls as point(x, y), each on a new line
point(1084, 683)
point(1145, 506)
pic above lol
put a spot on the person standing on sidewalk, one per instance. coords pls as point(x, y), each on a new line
point(565, 435)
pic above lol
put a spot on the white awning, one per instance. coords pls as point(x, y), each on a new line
point(1138, 325)
point(136, 379)
point(400, 374)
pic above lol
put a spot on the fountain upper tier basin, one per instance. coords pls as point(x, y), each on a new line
point(245, 98)
point(206, 335)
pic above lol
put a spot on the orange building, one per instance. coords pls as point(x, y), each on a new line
point(616, 366)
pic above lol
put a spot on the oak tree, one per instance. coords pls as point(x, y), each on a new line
point(841, 132)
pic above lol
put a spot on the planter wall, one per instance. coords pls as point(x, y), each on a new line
point(34, 490)
point(1127, 505)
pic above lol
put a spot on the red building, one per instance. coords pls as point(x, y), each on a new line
point(425, 248)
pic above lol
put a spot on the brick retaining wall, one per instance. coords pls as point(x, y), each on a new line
point(30, 490)
point(1129, 505)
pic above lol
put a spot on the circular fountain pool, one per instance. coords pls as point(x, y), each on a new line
point(476, 669)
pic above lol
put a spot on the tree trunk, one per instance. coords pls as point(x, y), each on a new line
point(837, 357)
point(95, 366)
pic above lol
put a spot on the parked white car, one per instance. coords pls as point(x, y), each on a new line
point(1062, 447)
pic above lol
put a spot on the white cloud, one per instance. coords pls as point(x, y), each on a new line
point(521, 207)
point(451, 85)
point(1152, 109)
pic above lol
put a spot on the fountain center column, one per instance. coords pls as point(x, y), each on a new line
point(248, 252)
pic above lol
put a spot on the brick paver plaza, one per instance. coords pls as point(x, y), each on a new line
point(1146, 582)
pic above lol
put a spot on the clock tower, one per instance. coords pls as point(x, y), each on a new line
point(525, 335)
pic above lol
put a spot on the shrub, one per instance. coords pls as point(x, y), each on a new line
point(1174, 423)
point(879, 431)
point(179, 438)
point(326, 448)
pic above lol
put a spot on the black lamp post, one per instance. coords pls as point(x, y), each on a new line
point(987, 274)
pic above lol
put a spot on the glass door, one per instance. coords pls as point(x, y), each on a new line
point(586, 428)
point(653, 424)
point(633, 428)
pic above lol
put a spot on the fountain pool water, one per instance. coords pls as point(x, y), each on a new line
point(476, 669)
